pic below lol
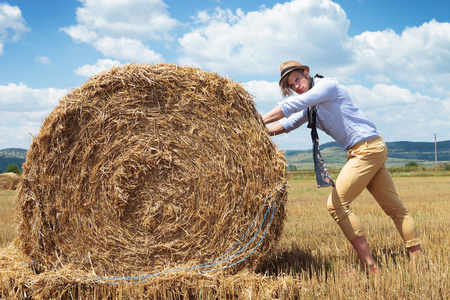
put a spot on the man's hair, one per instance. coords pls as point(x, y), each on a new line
point(284, 84)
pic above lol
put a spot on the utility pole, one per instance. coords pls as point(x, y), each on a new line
point(435, 150)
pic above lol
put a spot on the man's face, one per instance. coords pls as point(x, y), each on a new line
point(299, 81)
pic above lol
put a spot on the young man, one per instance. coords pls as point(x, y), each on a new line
point(338, 116)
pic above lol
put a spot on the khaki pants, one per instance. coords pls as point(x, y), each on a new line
point(365, 169)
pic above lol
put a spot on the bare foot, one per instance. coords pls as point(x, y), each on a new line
point(353, 272)
point(417, 258)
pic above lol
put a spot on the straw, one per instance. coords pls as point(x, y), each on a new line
point(146, 168)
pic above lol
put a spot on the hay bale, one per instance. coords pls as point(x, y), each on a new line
point(9, 181)
point(149, 167)
point(18, 281)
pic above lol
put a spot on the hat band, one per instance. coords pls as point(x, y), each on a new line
point(288, 69)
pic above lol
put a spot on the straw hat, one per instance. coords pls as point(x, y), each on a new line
point(289, 66)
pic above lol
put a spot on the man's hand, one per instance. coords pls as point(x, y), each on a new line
point(276, 129)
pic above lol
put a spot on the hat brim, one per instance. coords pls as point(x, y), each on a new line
point(288, 70)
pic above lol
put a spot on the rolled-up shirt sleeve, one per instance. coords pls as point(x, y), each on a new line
point(322, 91)
point(294, 121)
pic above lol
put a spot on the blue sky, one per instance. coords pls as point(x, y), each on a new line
point(392, 56)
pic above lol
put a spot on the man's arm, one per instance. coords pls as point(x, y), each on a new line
point(274, 115)
point(276, 129)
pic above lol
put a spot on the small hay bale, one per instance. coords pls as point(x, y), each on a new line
point(149, 167)
point(9, 181)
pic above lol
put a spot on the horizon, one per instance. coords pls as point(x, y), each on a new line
point(321, 144)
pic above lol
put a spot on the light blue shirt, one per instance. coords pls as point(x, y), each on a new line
point(337, 115)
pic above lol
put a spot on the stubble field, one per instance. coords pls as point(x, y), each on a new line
point(315, 260)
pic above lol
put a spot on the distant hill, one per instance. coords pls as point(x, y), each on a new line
point(12, 156)
point(400, 153)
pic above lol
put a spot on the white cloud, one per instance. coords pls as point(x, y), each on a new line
point(17, 137)
point(100, 66)
point(12, 24)
point(381, 96)
point(400, 114)
point(118, 29)
point(266, 93)
point(80, 34)
point(136, 19)
point(128, 49)
point(22, 110)
point(399, 79)
point(256, 42)
point(44, 60)
point(419, 56)
point(19, 97)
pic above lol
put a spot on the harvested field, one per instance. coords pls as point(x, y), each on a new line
point(311, 260)
point(9, 181)
point(146, 169)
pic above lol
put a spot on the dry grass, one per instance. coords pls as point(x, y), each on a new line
point(313, 257)
point(313, 249)
point(7, 228)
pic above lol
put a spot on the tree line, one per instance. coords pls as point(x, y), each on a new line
point(13, 168)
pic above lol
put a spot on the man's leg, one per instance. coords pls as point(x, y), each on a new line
point(383, 190)
point(363, 163)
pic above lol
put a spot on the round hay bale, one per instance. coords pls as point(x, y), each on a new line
point(9, 181)
point(149, 167)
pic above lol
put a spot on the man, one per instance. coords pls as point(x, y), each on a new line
point(338, 116)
